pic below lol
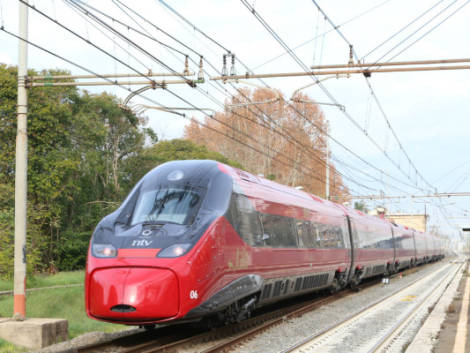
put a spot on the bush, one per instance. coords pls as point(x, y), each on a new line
point(72, 251)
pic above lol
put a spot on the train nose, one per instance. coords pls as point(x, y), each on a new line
point(133, 294)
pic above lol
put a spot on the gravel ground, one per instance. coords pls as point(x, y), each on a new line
point(292, 331)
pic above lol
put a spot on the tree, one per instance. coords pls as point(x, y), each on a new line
point(79, 150)
point(361, 206)
point(176, 149)
point(294, 144)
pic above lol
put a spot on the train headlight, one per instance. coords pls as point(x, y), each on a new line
point(174, 250)
point(104, 250)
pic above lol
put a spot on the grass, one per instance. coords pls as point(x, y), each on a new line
point(6, 347)
point(37, 281)
point(64, 303)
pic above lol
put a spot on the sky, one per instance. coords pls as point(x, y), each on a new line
point(428, 111)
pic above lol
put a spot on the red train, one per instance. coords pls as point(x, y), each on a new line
point(200, 239)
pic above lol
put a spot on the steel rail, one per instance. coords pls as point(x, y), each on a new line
point(352, 317)
point(227, 345)
point(171, 342)
point(393, 331)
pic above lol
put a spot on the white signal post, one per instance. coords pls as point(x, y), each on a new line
point(19, 290)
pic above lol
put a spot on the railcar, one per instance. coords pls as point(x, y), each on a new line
point(405, 251)
point(200, 239)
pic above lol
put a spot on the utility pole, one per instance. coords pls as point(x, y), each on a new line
point(19, 310)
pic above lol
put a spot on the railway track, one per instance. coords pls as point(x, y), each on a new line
point(391, 337)
point(169, 341)
point(183, 337)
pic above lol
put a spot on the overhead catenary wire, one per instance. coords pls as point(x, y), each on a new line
point(401, 30)
point(179, 97)
point(430, 30)
point(387, 120)
point(81, 67)
point(103, 33)
point(240, 92)
point(330, 96)
point(321, 130)
point(150, 100)
point(347, 149)
point(168, 90)
point(442, 210)
point(324, 33)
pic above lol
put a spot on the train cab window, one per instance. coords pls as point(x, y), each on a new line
point(167, 204)
point(278, 231)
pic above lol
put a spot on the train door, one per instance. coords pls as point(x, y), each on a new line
point(394, 242)
point(353, 240)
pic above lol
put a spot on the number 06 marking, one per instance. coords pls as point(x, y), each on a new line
point(193, 294)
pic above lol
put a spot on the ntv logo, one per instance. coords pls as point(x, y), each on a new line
point(141, 242)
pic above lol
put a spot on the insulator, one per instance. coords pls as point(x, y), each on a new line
point(224, 67)
point(233, 72)
point(186, 67)
point(351, 61)
point(200, 75)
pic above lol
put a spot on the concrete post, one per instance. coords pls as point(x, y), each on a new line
point(21, 186)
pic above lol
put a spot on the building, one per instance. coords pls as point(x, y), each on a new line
point(415, 221)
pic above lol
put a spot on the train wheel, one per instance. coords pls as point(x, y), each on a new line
point(335, 286)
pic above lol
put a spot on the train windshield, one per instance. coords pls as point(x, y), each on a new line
point(167, 205)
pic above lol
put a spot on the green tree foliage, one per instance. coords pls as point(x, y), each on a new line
point(361, 206)
point(177, 149)
point(79, 144)
point(84, 155)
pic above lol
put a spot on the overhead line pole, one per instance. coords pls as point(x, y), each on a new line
point(74, 77)
point(379, 197)
point(21, 169)
point(366, 72)
point(393, 63)
point(159, 84)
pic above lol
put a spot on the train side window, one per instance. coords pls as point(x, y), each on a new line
point(317, 237)
point(279, 230)
point(306, 236)
point(244, 218)
point(332, 236)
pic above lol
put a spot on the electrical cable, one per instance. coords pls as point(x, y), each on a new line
point(323, 34)
point(104, 34)
point(304, 67)
point(414, 32)
point(173, 93)
point(401, 30)
point(430, 30)
point(150, 100)
point(206, 60)
point(320, 129)
point(83, 68)
point(378, 104)
point(170, 69)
